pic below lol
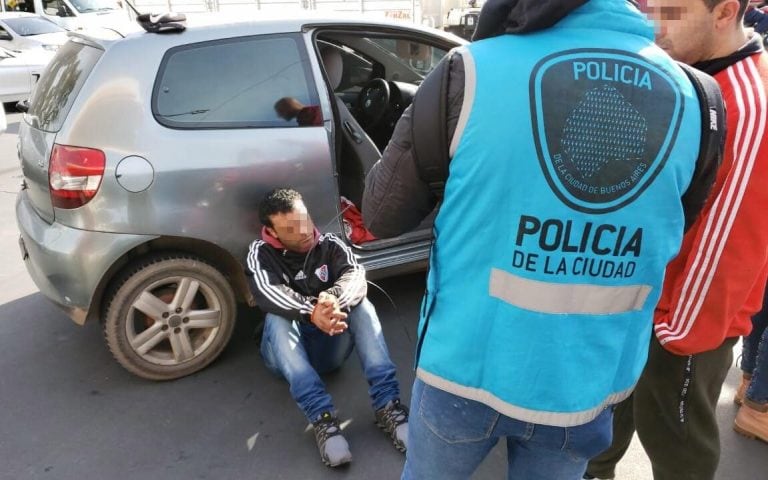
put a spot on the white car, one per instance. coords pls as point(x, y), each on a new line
point(73, 14)
point(24, 31)
point(3, 123)
point(19, 72)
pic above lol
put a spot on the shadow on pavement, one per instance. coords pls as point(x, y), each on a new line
point(69, 411)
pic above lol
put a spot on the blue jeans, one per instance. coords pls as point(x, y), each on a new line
point(300, 352)
point(449, 436)
point(754, 357)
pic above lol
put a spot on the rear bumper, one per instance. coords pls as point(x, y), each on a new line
point(65, 263)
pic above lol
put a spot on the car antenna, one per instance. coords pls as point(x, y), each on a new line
point(130, 4)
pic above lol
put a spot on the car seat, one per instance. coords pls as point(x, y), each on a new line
point(358, 152)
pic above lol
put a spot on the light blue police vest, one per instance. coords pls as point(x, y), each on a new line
point(561, 211)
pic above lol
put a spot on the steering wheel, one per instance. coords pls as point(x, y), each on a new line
point(373, 101)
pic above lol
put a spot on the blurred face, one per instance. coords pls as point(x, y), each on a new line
point(294, 229)
point(685, 29)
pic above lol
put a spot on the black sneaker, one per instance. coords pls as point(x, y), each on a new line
point(333, 447)
point(393, 419)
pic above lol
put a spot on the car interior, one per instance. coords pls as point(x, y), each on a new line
point(374, 79)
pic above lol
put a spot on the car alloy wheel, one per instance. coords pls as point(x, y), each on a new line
point(170, 316)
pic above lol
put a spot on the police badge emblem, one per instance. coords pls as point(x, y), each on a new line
point(595, 115)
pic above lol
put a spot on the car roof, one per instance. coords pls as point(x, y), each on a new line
point(211, 26)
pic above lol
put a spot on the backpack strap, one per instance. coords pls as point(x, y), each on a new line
point(429, 135)
point(713, 121)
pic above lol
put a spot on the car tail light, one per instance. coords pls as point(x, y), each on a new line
point(74, 175)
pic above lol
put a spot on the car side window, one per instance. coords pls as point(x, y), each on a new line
point(56, 8)
point(252, 82)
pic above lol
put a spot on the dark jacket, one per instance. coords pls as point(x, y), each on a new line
point(287, 283)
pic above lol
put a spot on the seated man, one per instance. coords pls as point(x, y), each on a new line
point(313, 291)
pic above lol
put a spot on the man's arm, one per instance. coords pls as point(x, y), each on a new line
point(272, 293)
point(727, 243)
point(396, 198)
point(350, 287)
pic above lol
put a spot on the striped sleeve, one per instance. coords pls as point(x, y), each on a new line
point(272, 294)
point(727, 246)
point(350, 286)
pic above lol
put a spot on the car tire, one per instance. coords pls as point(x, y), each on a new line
point(169, 316)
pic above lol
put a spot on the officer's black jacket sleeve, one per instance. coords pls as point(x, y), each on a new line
point(396, 199)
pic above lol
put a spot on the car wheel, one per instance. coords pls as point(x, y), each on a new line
point(169, 316)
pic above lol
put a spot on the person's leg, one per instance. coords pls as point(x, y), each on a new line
point(449, 435)
point(675, 403)
point(752, 418)
point(287, 348)
point(556, 453)
point(754, 352)
point(372, 350)
point(751, 342)
point(756, 395)
point(285, 354)
point(326, 353)
point(603, 466)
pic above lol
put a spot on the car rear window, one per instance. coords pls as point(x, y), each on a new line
point(261, 81)
point(59, 85)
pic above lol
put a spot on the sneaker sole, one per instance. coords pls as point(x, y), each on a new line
point(401, 448)
point(327, 462)
point(748, 434)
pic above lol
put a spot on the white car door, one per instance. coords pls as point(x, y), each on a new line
point(15, 77)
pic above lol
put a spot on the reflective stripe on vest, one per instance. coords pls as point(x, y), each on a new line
point(547, 297)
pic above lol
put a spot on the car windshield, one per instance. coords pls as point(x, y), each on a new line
point(421, 58)
point(85, 6)
point(28, 26)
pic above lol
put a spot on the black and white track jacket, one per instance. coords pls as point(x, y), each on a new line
point(287, 283)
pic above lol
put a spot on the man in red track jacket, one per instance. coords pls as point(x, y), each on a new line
point(717, 281)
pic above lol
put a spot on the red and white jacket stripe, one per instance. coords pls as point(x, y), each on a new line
point(716, 283)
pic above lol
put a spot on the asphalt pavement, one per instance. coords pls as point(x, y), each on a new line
point(69, 411)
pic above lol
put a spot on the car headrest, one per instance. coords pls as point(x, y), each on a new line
point(333, 64)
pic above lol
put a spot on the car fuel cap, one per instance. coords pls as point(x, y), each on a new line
point(134, 174)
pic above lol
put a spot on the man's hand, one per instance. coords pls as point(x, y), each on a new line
point(327, 316)
point(326, 298)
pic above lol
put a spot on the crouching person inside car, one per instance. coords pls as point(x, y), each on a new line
point(314, 294)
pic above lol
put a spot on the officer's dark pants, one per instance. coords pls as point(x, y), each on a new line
point(673, 409)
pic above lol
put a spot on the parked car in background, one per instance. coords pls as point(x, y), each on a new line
point(142, 179)
point(19, 72)
point(73, 14)
point(462, 21)
point(24, 31)
point(3, 121)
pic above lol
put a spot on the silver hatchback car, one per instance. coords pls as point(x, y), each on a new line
point(144, 159)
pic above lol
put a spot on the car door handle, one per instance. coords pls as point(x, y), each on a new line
point(352, 132)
